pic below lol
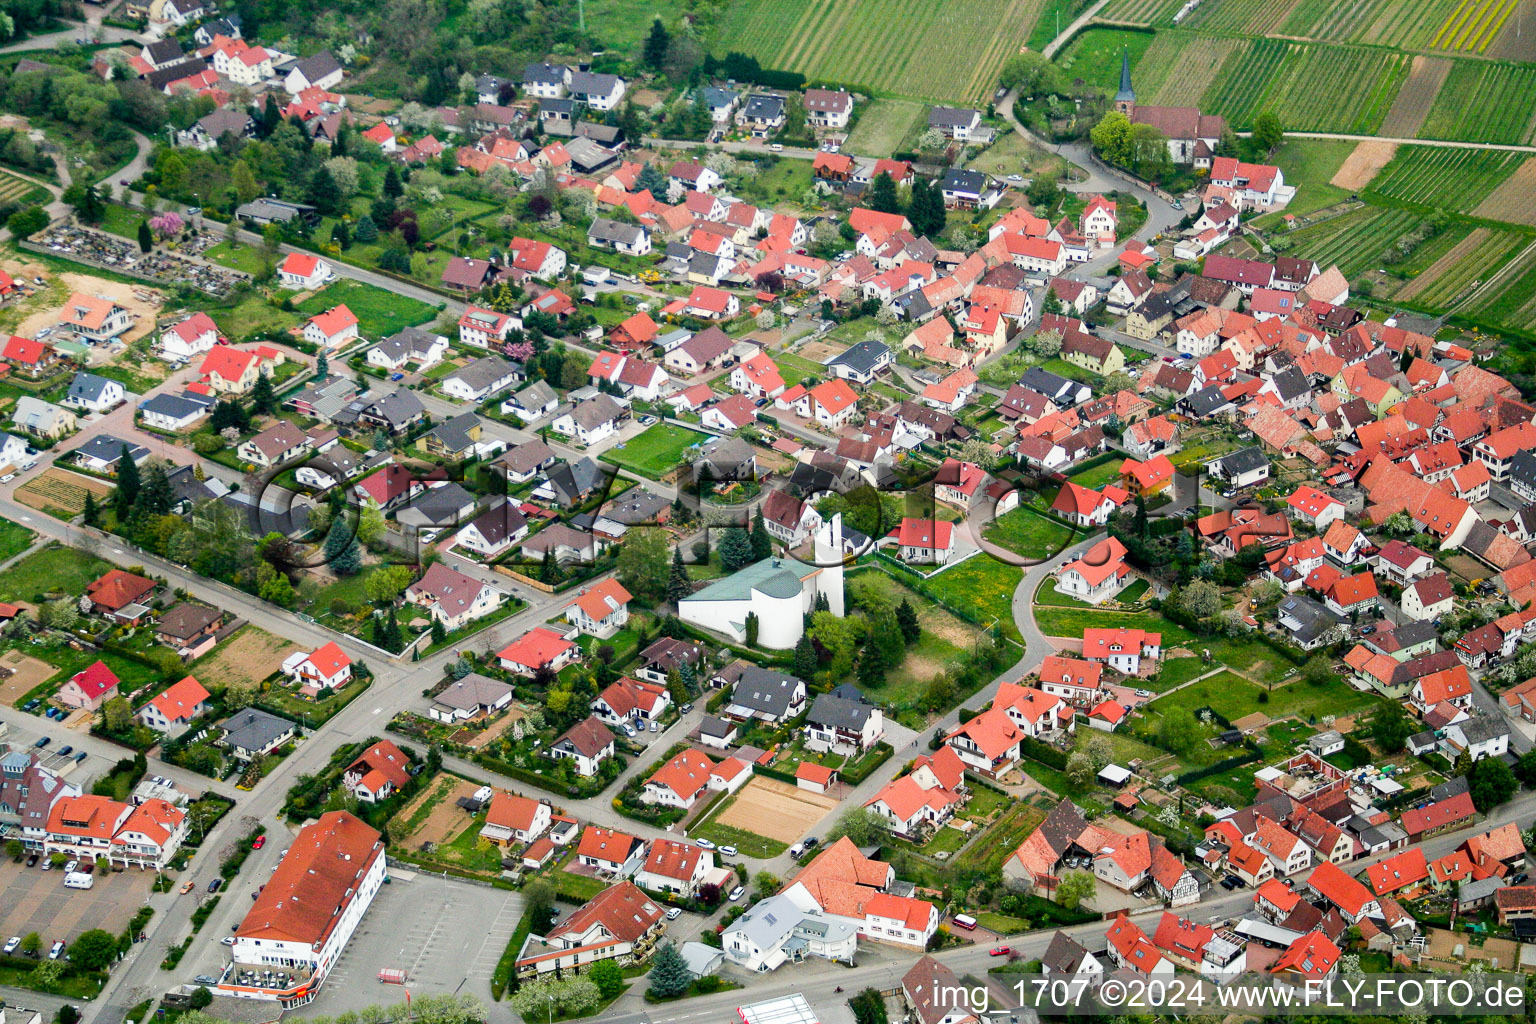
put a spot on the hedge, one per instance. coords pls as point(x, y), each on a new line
point(1247, 757)
point(1046, 754)
point(863, 771)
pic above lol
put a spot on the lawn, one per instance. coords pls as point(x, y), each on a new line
point(53, 570)
point(749, 844)
point(252, 314)
point(983, 587)
point(795, 369)
point(883, 126)
point(1235, 697)
point(244, 257)
point(379, 313)
point(14, 539)
point(1310, 164)
point(1030, 534)
point(1055, 621)
point(944, 642)
point(1095, 477)
point(1046, 593)
point(655, 452)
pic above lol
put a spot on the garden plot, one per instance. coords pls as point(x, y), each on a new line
point(246, 658)
point(775, 809)
point(60, 493)
point(883, 127)
point(1355, 240)
point(1483, 101)
point(27, 673)
point(434, 816)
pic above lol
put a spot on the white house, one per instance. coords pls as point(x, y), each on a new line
point(486, 328)
point(480, 379)
point(453, 598)
point(91, 393)
point(303, 271)
point(332, 329)
point(599, 610)
point(328, 667)
point(586, 745)
point(675, 867)
point(191, 337)
point(590, 421)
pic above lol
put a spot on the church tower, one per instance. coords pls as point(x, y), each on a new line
point(1125, 99)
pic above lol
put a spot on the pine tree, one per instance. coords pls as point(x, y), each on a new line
point(821, 603)
point(549, 569)
point(679, 585)
point(380, 440)
point(340, 237)
point(340, 548)
point(324, 193)
point(91, 515)
point(762, 544)
point(885, 637)
point(669, 973)
point(322, 367)
point(439, 634)
point(366, 231)
point(871, 670)
point(906, 620)
point(805, 657)
point(393, 189)
point(157, 497)
point(656, 44)
point(753, 625)
point(127, 483)
point(271, 116)
point(689, 677)
point(735, 549)
point(263, 399)
point(882, 194)
point(146, 240)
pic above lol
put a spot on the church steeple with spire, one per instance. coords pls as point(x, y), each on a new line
point(1125, 99)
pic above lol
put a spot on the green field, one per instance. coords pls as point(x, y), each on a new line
point(1237, 17)
point(1512, 301)
point(1310, 165)
point(1450, 179)
point(1030, 534)
point(1235, 697)
point(247, 257)
point(1388, 22)
point(1070, 622)
point(938, 50)
point(1452, 283)
point(1094, 56)
point(1483, 101)
point(1095, 477)
point(984, 587)
point(55, 569)
point(1474, 25)
point(1156, 13)
point(379, 313)
point(659, 449)
point(884, 126)
point(17, 190)
point(14, 539)
point(1354, 240)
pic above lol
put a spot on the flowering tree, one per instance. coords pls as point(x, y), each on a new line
point(522, 351)
point(166, 225)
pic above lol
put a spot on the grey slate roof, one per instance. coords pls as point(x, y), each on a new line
point(472, 692)
point(951, 117)
point(409, 343)
point(175, 406)
point(587, 83)
point(958, 179)
point(483, 372)
point(861, 358)
point(500, 521)
point(766, 692)
point(317, 66)
point(763, 107)
point(572, 482)
point(397, 409)
point(254, 729)
point(837, 712)
point(595, 411)
point(544, 73)
point(604, 229)
point(454, 434)
point(537, 395)
point(109, 448)
point(437, 506)
point(1244, 460)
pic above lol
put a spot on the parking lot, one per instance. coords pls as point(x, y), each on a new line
point(447, 935)
point(34, 900)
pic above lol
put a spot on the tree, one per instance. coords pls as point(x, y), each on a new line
point(1491, 783)
point(60, 614)
point(805, 657)
point(365, 231)
point(1111, 138)
point(1318, 671)
point(1177, 732)
point(439, 632)
point(393, 188)
point(1080, 770)
point(926, 208)
point(1118, 381)
point(862, 826)
point(882, 194)
point(735, 550)
point(656, 46)
point(549, 568)
point(93, 949)
point(1268, 132)
point(1074, 887)
point(341, 551)
point(201, 998)
point(263, 400)
point(906, 620)
point(979, 452)
point(322, 367)
point(28, 221)
point(605, 974)
point(48, 973)
point(90, 514)
point(117, 715)
point(31, 943)
point(86, 202)
point(762, 544)
point(871, 666)
point(1200, 599)
point(127, 483)
point(669, 975)
point(642, 564)
point(1391, 728)
point(146, 240)
point(1029, 72)
point(754, 625)
point(679, 585)
point(14, 849)
point(766, 883)
point(1044, 344)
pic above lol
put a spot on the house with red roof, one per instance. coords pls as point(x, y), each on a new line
point(377, 773)
point(627, 700)
point(187, 338)
point(233, 371)
point(539, 649)
point(383, 136)
point(1403, 872)
point(924, 798)
point(98, 828)
point(1086, 507)
point(675, 867)
point(680, 782)
point(486, 328)
point(511, 819)
point(176, 707)
point(1353, 900)
point(757, 377)
point(1438, 816)
point(929, 541)
point(832, 403)
point(117, 594)
point(304, 271)
point(1310, 958)
point(1071, 679)
point(1122, 648)
point(1255, 186)
point(335, 328)
point(328, 667)
point(1314, 507)
point(599, 610)
point(1147, 478)
point(708, 303)
point(89, 688)
point(1098, 574)
point(1131, 950)
point(1452, 686)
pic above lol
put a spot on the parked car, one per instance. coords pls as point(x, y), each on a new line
point(811, 842)
point(1000, 951)
point(56, 950)
point(215, 885)
point(646, 421)
point(187, 886)
point(685, 709)
point(80, 757)
point(32, 860)
point(797, 851)
point(727, 851)
point(42, 741)
point(1231, 882)
point(777, 147)
point(674, 913)
point(48, 864)
point(66, 750)
point(10, 947)
point(736, 893)
point(704, 844)
point(261, 841)
point(70, 866)
point(228, 940)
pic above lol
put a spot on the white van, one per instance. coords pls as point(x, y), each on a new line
point(79, 880)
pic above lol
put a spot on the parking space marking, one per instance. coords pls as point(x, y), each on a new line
point(496, 938)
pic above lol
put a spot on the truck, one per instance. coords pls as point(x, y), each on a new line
point(79, 880)
point(392, 976)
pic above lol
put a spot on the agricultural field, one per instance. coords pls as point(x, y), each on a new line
point(1356, 239)
point(1453, 276)
point(1311, 86)
point(16, 190)
point(1450, 179)
point(1511, 300)
point(1156, 13)
point(1240, 17)
point(1409, 26)
point(1473, 25)
point(883, 126)
point(1515, 199)
point(1482, 101)
point(1416, 96)
point(1176, 67)
point(909, 48)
